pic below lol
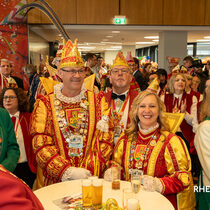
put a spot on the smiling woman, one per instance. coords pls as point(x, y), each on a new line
point(148, 145)
point(179, 101)
point(16, 103)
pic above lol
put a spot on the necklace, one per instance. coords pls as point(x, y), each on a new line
point(139, 152)
point(117, 116)
point(74, 139)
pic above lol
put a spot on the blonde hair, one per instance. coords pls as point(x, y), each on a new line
point(205, 108)
point(134, 119)
point(172, 81)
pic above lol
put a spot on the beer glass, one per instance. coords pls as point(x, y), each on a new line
point(115, 177)
point(97, 187)
point(86, 192)
point(92, 177)
point(136, 176)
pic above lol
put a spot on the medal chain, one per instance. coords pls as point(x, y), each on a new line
point(118, 116)
point(62, 122)
point(140, 163)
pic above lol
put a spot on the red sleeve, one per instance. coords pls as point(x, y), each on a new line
point(16, 195)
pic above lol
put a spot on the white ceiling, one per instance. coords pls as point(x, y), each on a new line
point(94, 37)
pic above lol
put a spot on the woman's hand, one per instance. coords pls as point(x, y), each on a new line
point(183, 106)
point(152, 183)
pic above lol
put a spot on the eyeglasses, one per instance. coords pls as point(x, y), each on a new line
point(73, 72)
point(123, 71)
point(5, 66)
point(9, 97)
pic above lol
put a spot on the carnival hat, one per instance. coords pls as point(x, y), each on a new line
point(120, 60)
point(176, 69)
point(129, 57)
point(70, 56)
point(154, 67)
point(183, 69)
point(154, 86)
point(59, 51)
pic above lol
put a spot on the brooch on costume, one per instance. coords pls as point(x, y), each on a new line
point(102, 124)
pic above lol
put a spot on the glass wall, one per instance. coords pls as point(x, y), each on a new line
point(197, 50)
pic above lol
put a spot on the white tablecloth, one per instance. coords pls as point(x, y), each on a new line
point(148, 200)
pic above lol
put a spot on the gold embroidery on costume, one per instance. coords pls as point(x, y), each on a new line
point(91, 118)
point(56, 127)
point(154, 155)
point(184, 178)
point(127, 155)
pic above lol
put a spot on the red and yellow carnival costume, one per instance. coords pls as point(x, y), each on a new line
point(162, 155)
point(131, 96)
point(191, 110)
point(120, 108)
point(70, 131)
point(50, 146)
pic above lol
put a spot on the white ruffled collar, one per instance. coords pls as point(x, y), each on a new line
point(149, 130)
point(58, 94)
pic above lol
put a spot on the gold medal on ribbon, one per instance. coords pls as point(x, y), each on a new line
point(72, 116)
point(117, 130)
point(153, 143)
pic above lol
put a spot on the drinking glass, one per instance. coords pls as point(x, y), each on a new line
point(130, 201)
point(92, 178)
point(97, 187)
point(115, 177)
point(136, 176)
point(86, 193)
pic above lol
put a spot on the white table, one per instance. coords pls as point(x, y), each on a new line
point(148, 200)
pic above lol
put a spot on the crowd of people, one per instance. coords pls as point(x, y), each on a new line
point(81, 117)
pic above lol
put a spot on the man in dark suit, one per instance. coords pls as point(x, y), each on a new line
point(138, 75)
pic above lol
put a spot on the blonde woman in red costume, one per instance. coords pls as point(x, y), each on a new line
point(178, 101)
point(148, 145)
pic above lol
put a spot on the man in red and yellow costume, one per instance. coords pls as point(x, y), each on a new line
point(122, 95)
point(72, 136)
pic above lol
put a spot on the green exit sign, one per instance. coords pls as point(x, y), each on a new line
point(118, 20)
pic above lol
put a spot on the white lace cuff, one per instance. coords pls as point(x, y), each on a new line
point(66, 174)
point(158, 185)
